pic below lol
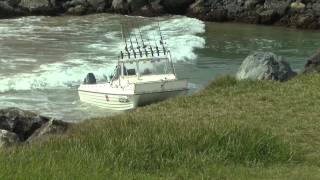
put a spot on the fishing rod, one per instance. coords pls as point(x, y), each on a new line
point(125, 40)
point(162, 39)
point(138, 45)
point(157, 48)
point(143, 44)
point(134, 52)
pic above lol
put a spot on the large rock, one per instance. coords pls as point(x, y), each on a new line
point(265, 66)
point(120, 6)
point(23, 123)
point(176, 6)
point(53, 127)
point(77, 10)
point(37, 6)
point(98, 5)
point(19, 126)
point(272, 11)
point(8, 138)
point(313, 64)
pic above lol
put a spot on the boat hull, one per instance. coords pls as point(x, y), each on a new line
point(126, 101)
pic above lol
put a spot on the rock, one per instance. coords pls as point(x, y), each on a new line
point(98, 5)
point(136, 5)
point(265, 66)
point(197, 9)
point(316, 8)
point(313, 64)
point(305, 21)
point(77, 10)
point(6, 10)
point(8, 138)
point(53, 127)
point(35, 6)
point(272, 11)
point(298, 5)
point(120, 6)
point(176, 6)
point(21, 122)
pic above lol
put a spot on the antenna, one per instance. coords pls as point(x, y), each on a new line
point(134, 53)
point(162, 40)
point(125, 40)
point(157, 48)
point(138, 45)
point(144, 46)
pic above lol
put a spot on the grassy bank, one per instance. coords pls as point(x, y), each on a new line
point(230, 130)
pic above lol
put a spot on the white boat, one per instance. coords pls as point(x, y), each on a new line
point(144, 74)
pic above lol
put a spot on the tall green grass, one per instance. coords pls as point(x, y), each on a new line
point(231, 129)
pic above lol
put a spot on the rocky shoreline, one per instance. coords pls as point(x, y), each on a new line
point(303, 14)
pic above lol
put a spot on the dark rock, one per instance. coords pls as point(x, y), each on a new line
point(8, 138)
point(53, 127)
point(313, 64)
point(37, 6)
point(176, 6)
point(136, 5)
point(21, 122)
point(198, 9)
point(77, 10)
point(316, 8)
point(98, 5)
point(8, 9)
point(265, 66)
point(272, 11)
point(120, 6)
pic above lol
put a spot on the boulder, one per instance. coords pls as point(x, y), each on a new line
point(98, 5)
point(272, 11)
point(6, 10)
point(77, 10)
point(23, 123)
point(8, 138)
point(265, 66)
point(53, 127)
point(136, 5)
point(298, 5)
point(120, 6)
point(176, 6)
point(198, 9)
point(313, 64)
point(36, 6)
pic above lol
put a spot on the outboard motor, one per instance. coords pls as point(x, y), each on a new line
point(90, 79)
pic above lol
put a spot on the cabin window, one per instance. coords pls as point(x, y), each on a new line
point(130, 69)
point(155, 67)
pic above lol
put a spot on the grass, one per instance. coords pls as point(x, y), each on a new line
point(230, 130)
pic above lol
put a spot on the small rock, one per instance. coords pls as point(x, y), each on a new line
point(265, 66)
point(8, 138)
point(313, 64)
point(53, 127)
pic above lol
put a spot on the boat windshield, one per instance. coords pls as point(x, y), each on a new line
point(148, 67)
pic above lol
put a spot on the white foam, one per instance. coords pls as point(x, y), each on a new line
point(56, 75)
point(180, 33)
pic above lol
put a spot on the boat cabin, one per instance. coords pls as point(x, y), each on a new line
point(145, 64)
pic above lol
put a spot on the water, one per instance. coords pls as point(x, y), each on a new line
point(44, 59)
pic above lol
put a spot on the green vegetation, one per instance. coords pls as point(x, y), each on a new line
point(230, 130)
